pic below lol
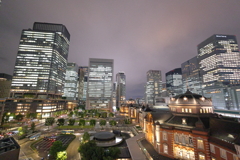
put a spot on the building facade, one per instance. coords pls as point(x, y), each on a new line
point(190, 130)
point(191, 76)
point(219, 63)
point(83, 80)
point(174, 82)
point(100, 81)
point(153, 87)
point(71, 82)
point(41, 61)
point(5, 85)
point(40, 68)
point(121, 88)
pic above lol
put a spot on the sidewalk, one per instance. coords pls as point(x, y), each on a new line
point(151, 151)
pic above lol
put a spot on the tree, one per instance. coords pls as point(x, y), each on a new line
point(111, 114)
point(22, 130)
point(102, 122)
point(92, 122)
point(104, 114)
point(80, 114)
point(97, 114)
point(90, 151)
point(112, 123)
point(60, 122)
point(33, 126)
point(71, 122)
point(76, 112)
point(113, 152)
point(70, 114)
point(86, 137)
point(62, 155)
point(82, 107)
point(5, 117)
point(19, 117)
point(55, 148)
point(49, 121)
point(81, 122)
point(31, 115)
point(25, 129)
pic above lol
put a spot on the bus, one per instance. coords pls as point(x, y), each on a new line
point(67, 131)
point(35, 136)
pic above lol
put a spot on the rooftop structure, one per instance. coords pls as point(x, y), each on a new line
point(9, 149)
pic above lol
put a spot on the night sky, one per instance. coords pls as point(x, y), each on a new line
point(140, 35)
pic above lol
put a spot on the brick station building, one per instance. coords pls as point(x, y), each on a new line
point(190, 130)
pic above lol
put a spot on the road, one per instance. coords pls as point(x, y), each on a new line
point(72, 150)
point(27, 152)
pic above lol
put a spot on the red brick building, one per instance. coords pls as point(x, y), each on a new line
point(190, 130)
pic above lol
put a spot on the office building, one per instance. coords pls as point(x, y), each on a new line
point(153, 87)
point(5, 85)
point(114, 96)
point(83, 80)
point(41, 63)
point(40, 69)
point(71, 82)
point(100, 82)
point(191, 76)
point(121, 88)
point(174, 82)
point(219, 63)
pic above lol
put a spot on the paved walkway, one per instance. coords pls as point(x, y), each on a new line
point(152, 152)
point(134, 148)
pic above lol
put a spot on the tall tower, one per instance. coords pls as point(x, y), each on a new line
point(191, 76)
point(41, 62)
point(100, 81)
point(174, 81)
point(153, 88)
point(71, 82)
point(121, 88)
point(83, 79)
point(219, 62)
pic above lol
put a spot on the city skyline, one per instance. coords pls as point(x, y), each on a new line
point(138, 36)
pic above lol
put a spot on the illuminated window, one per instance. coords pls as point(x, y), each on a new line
point(200, 144)
point(182, 109)
point(184, 121)
point(165, 148)
point(190, 110)
point(235, 157)
point(201, 156)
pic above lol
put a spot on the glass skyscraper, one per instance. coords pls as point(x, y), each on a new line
point(41, 61)
point(71, 82)
point(191, 76)
point(153, 88)
point(219, 62)
point(174, 82)
point(121, 88)
point(83, 79)
point(100, 84)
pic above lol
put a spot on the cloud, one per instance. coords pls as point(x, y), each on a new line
point(139, 35)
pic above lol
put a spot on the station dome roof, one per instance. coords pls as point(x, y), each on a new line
point(189, 98)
